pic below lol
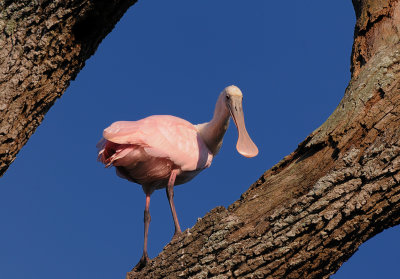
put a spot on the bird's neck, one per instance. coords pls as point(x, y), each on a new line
point(213, 132)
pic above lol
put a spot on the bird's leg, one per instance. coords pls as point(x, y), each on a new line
point(145, 258)
point(170, 195)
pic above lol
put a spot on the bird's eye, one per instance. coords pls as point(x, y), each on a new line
point(228, 97)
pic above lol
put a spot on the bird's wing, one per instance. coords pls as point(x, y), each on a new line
point(163, 136)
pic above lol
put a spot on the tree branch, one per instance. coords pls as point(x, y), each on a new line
point(43, 45)
point(308, 214)
point(302, 218)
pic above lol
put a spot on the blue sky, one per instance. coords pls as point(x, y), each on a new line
point(63, 215)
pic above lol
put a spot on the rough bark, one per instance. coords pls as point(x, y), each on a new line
point(305, 216)
point(43, 45)
point(308, 214)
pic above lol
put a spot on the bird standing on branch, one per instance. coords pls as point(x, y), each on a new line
point(162, 151)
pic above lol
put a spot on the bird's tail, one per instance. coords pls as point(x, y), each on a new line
point(109, 152)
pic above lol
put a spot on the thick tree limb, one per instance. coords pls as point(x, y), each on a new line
point(310, 212)
point(305, 216)
point(43, 45)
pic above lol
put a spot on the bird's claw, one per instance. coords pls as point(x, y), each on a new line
point(176, 236)
point(144, 260)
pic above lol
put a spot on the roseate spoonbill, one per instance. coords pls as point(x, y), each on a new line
point(162, 151)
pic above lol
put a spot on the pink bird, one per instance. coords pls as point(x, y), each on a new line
point(162, 151)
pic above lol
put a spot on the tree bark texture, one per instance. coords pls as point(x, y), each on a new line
point(308, 214)
point(43, 45)
point(301, 219)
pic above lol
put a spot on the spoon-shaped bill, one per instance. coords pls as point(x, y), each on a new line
point(245, 146)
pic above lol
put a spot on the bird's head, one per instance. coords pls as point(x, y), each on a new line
point(233, 99)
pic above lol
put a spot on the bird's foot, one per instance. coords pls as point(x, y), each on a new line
point(144, 260)
point(176, 236)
